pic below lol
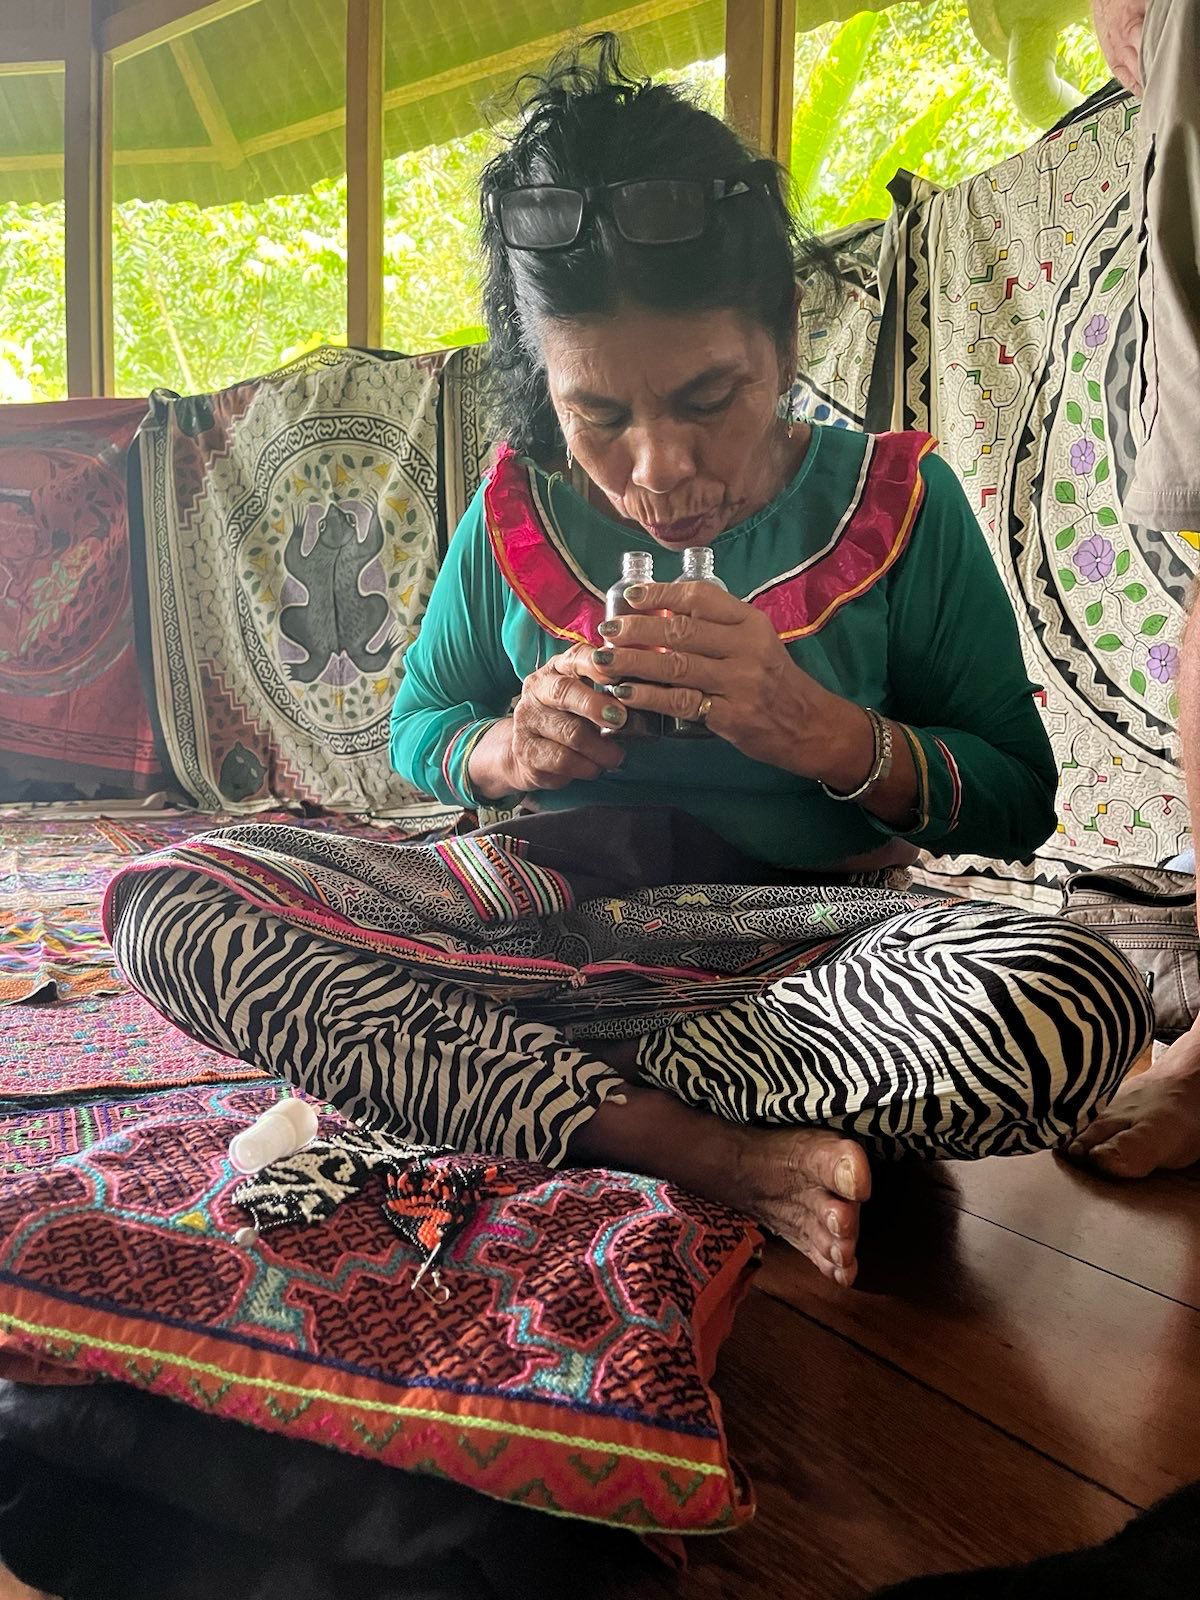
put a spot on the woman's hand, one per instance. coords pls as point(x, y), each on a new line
point(717, 648)
point(553, 736)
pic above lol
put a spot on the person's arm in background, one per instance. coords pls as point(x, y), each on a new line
point(1119, 30)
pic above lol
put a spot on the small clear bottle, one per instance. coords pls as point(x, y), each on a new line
point(637, 566)
point(698, 567)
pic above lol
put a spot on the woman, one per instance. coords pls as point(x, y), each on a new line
point(727, 932)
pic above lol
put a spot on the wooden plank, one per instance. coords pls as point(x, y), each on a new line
point(1146, 1232)
point(1100, 1374)
point(760, 42)
point(364, 173)
point(225, 146)
point(87, 194)
point(145, 24)
point(865, 1478)
point(32, 49)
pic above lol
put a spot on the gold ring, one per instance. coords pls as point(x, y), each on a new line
point(704, 708)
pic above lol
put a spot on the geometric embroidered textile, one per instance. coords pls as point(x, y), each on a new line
point(567, 1369)
point(284, 537)
point(71, 702)
point(1015, 335)
point(91, 1046)
point(837, 343)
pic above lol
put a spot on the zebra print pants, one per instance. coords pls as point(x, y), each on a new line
point(957, 1031)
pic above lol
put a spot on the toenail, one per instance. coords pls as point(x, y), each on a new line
point(834, 1225)
point(844, 1176)
point(835, 1255)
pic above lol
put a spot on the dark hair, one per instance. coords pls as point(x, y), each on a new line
point(586, 122)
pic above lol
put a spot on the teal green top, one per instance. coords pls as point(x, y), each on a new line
point(933, 644)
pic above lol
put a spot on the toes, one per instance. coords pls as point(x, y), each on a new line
point(840, 1166)
point(1126, 1155)
point(1097, 1132)
point(839, 1218)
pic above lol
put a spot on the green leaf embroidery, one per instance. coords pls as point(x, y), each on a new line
point(1107, 518)
point(1173, 705)
point(1094, 390)
point(1153, 625)
point(1078, 361)
point(1137, 681)
point(1102, 470)
point(1135, 591)
point(1074, 411)
point(1108, 641)
point(1112, 279)
point(1094, 612)
point(1122, 566)
point(1065, 537)
point(1067, 578)
point(1064, 492)
point(1098, 427)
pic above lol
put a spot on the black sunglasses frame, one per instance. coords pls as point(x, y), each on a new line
point(599, 199)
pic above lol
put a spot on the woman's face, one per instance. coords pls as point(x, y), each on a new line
point(673, 417)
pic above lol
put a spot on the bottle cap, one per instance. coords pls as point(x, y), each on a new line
point(269, 1138)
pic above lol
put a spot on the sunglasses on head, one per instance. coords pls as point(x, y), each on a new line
point(549, 216)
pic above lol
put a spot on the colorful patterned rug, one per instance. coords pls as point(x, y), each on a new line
point(564, 1365)
point(55, 866)
point(94, 1046)
point(284, 536)
point(71, 700)
point(1013, 333)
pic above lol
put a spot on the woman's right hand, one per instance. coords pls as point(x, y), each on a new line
point(553, 736)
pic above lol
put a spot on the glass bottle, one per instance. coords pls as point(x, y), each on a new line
point(637, 566)
point(698, 567)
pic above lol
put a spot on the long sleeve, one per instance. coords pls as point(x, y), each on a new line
point(458, 680)
point(985, 772)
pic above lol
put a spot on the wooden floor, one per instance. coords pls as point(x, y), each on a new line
point(1018, 1372)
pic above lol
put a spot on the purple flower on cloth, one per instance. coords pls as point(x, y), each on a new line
point(1083, 457)
point(1096, 332)
point(1163, 661)
point(1094, 558)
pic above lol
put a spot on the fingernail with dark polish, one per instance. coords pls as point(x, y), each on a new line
point(609, 630)
point(614, 716)
point(602, 658)
point(622, 691)
point(635, 593)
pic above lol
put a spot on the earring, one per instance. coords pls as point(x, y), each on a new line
point(570, 460)
point(790, 413)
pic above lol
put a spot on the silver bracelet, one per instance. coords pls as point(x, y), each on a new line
point(881, 728)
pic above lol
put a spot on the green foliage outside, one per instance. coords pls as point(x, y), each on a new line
point(204, 297)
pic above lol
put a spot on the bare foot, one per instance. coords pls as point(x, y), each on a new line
point(1153, 1122)
point(805, 1184)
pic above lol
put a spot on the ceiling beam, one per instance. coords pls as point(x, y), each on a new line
point(32, 48)
point(200, 87)
point(511, 61)
point(145, 24)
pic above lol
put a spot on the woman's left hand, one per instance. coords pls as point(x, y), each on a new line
point(717, 649)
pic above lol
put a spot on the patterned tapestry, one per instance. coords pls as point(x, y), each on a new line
point(285, 534)
point(71, 703)
point(838, 339)
point(466, 440)
point(1015, 336)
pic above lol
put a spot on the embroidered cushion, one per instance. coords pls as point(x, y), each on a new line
point(568, 1370)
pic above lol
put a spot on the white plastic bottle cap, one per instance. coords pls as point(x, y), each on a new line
point(300, 1115)
point(266, 1140)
